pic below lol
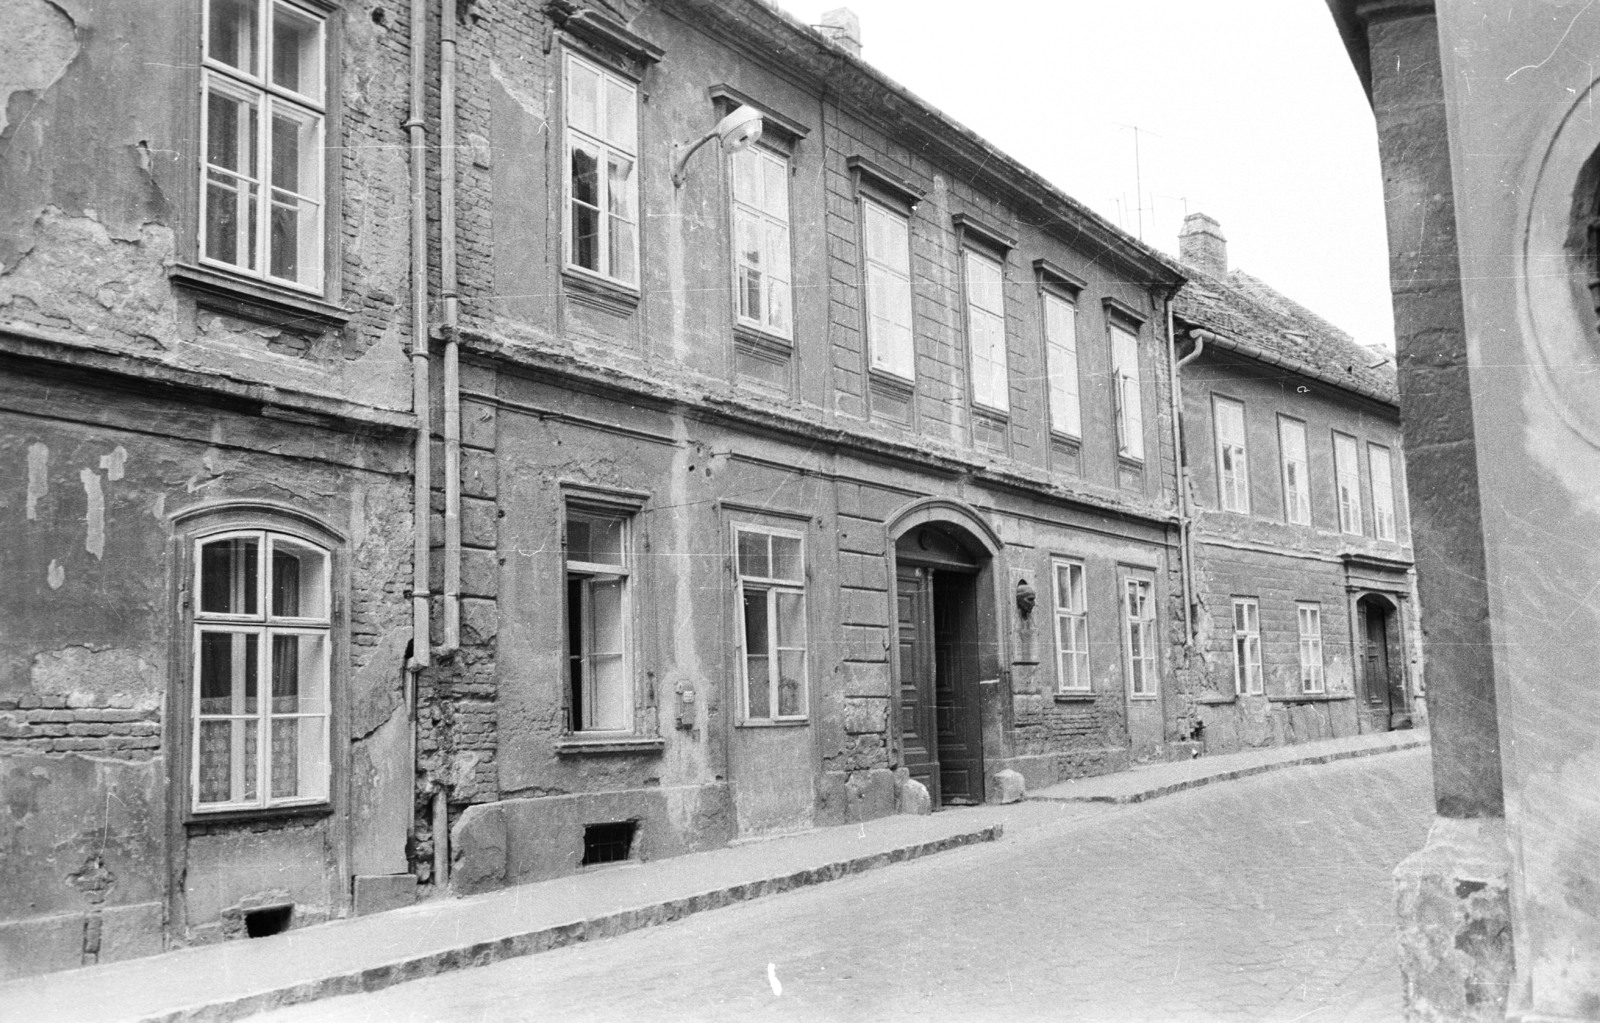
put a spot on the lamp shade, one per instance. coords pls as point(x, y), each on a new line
point(740, 129)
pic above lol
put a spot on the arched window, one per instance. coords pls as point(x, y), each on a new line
point(260, 670)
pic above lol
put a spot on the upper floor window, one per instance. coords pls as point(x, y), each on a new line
point(1382, 491)
point(1233, 470)
point(599, 661)
point(1246, 646)
point(262, 654)
point(602, 186)
point(887, 237)
point(1141, 637)
point(262, 128)
point(1311, 680)
point(986, 331)
point(1072, 629)
point(1126, 390)
point(1061, 360)
point(761, 239)
point(1347, 471)
point(772, 623)
point(1296, 486)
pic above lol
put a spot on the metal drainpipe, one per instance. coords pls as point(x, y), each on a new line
point(420, 403)
point(452, 363)
point(1185, 508)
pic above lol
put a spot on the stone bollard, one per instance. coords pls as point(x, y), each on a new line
point(1009, 787)
point(914, 798)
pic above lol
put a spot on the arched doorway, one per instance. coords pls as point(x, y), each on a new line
point(1382, 656)
point(947, 645)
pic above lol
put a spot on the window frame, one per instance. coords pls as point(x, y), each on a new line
point(320, 281)
point(762, 151)
point(1240, 451)
point(214, 520)
point(1248, 677)
point(1076, 619)
point(588, 571)
point(1383, 504)
point(1303, 491)
point(607, 72)
point(772, 586)
point(1067, 370)
point(868, 205)
point(1130, 428)
point(1145, 684)
point(1352, 475)
point(1313, 676)
point(1002, 407)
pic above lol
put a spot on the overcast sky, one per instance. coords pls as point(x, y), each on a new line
point(1248, 110)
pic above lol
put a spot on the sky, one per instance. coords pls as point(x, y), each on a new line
point(1247, 110)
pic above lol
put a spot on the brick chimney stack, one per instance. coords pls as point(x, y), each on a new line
point(843, 29)
point(1201, 243)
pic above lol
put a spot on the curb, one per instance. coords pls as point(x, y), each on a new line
point(1243, 772)
point(544, 939)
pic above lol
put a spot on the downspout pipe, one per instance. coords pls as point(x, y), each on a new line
point(422, 470)
point(451, 612)
point(1185, 504)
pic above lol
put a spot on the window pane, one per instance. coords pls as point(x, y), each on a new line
point(774, 186)
point(753, 559)
point(621, 122)
point(791, 683)
point(227, 760)
point(297, 51)
point(231, 221)
point(299, 760)
point(747, 178)
point(233, 34)
point(791, 620)
point(786, 560)
point(299, 580)
point(756, 653)
point(229, 664)
point(229, 580)
point(583, 97)
point(1062, 355)
point(300, 674)
point(985, 284)
point(595, 539)
point(231, 131)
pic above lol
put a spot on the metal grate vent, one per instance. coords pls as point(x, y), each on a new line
point(608, 843)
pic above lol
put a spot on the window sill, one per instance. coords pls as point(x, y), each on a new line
point(891, 383)
point(602, 292)
point(599, 747)
point(1130, 461)
point(999, 416)
point(1217, 698)
point(1076, 697)
point(1062, 437)
point(795, 723)
point(1145, 697)
point(761, 342)
point(204, 818)
point(1311, 698)
point(250, 299)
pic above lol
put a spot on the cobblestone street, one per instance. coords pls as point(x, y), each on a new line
point(1262, 899)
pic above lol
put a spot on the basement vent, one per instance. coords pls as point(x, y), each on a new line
point(261, 923)
point(608, 843)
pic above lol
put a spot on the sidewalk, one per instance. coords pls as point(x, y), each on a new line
point(239, 978)
point(1152, 780)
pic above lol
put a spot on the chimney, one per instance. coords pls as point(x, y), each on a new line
point(1201, 243)
point(842, 28)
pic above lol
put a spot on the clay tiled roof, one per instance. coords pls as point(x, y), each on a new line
point(1248, 316)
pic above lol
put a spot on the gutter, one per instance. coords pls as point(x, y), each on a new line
point(1181, 462)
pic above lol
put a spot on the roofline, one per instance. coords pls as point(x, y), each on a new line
point(1214, 339)
point(1351, 18)
point(803, 54)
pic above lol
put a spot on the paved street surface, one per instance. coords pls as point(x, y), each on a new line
point(1266, 898)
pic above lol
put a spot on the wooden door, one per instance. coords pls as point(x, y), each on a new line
point(955, 636)
point(1377, 674)
point(918, 742)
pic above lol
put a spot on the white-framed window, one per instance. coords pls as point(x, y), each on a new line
point(1382, 491)
point(1311, 680)
point(1347, 472)
point(1126, 391)
point(599, 619)
point(887, 238)
point(1140, 636)
point(262, 653)
point(1233, 466)
point(1246, 646)
point(761, 240)
point(1296, 484)
point(1061, 361)
point(986, 331)
point(601, 172)
point(263, 122)
point(1072, 628)
point(772, 623)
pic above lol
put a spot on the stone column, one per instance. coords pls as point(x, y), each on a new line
point(1452, 897)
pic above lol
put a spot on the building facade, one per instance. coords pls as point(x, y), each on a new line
point(1305, 611)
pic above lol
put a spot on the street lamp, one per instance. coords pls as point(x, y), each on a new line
point(739, 130)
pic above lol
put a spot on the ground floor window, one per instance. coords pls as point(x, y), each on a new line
point(1246, 646)
point(599, 666)
point(1141, 637)
point(1311, 680)
point(772, 623)
point(1072, 629)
